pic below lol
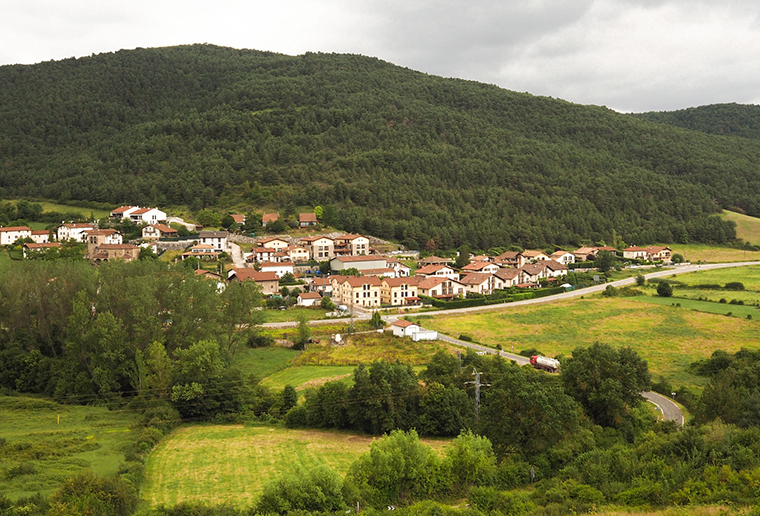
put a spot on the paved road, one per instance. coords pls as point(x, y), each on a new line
point(668, 408)
point(237, 255)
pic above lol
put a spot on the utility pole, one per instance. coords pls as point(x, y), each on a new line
point(477, 385)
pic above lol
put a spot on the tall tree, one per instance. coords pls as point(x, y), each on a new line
point(607, 382)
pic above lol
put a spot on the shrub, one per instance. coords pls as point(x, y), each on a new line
point(318, 489)
point(734, 285)
point(664, 289)
point(722, 300)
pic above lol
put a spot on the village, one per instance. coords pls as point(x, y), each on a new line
point(357, 276)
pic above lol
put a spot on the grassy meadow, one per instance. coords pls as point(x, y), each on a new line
point(747, 228)
point(669, 338)
point(231, 463)
point(39, 451)
point(710, 254)
point(368, 347)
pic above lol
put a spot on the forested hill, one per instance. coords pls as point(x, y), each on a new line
point(722, 119)
point(386, 150)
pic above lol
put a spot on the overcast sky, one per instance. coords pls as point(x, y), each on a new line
point(630, 55)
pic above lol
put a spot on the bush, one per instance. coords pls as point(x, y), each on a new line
point(318, 489)
point(734, 285)
point(260, 341)
point(664, 289)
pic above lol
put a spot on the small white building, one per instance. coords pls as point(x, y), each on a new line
point(10, 234)
point(404, 328)
point(308, 299)
point(216, 239)
point(147, 216)
point(279, 268)
point(75, 232)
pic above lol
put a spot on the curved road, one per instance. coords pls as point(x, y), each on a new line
point(667, 407)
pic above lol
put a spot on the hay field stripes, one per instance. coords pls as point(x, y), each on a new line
point(231, 464)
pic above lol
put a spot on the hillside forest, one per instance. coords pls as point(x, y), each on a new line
point(386, 151)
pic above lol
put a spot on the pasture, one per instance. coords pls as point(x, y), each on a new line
point(369, 347)
point(747, 228)
point(711, 254)
point(39, 451)
point(305, 377)
point(231, 464)
point(669, 338)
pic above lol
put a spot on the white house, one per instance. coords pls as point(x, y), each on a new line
point(439, 271)
point(40, 237)
point(216, 239)
point(147, 216)
point(481, 267)
point(478, 283)
point(320, 247)
point(402, 270)
point(563, 257)
point(73, 232)
point(636, 253)
point(440, 287)
point(403, 328)
point(123, 212)
point(506, 277)
point(11, 234)
point(273, 243)
point(308, 299)
point(279, 268)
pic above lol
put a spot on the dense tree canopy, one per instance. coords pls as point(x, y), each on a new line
point(381, 149)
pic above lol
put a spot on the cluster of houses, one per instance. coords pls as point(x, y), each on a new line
point(385, 281)
point(382, 280)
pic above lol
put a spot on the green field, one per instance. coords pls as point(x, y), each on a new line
point(669, 338)
point(711, 307)
point(293, 313)
point(63, 208)
point(711, 254)
point(52, 450)
point(747, 228)
point(304, 377)
point(263, 362)
point(369, 347)
point(231, 464)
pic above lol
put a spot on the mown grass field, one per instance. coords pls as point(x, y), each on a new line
point(293, 313)
point(711, 254)
point(711, 307)
point(263, 362)
point(31, 437)
point(669, 338)
point(747, 228)
point(231, 464)
point(305, 377)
